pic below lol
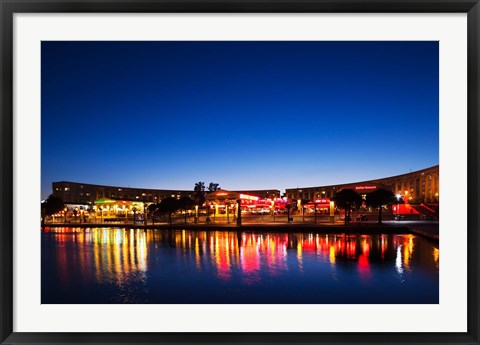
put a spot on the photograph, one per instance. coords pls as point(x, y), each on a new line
point(240, 172)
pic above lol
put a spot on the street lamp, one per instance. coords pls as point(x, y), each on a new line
point(398, 202)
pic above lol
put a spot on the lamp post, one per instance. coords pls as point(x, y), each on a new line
point(239, 212)
point(332, 212)
point(288, 206)
point(226, 210)
point(273, 209)
point(398, 204)
point(65, 214)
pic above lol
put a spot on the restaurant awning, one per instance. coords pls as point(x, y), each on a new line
point(222, 194)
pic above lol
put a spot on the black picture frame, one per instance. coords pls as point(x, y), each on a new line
point(9, 8)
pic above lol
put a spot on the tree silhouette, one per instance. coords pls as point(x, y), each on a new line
point(347, 199)
point(213, 187)
point(168, 205)
point(50, 206)
point(185, 203)
point(152, 209)
point(380, 198)
point(199, 193)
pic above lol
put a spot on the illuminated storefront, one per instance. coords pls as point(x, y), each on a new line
point(225, 202)
point(117, 210)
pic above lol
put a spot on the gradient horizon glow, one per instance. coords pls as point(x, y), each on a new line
point(247, 115)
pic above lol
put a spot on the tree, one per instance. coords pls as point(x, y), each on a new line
point(379, 198)
point(213, 187)
point(51, 206)
point(199, 193)
point(288, 206)
point(168, 205)
point(152, 209)
point(185, 203)
point(347, 199)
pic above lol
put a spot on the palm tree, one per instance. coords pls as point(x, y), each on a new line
point(199, 193)
point(347, 199)
point(379, 198)
point(213, 187)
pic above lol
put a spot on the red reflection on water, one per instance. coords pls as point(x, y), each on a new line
point(119, 253)
point(364, 268)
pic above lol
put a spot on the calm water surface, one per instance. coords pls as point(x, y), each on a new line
point(115, 265)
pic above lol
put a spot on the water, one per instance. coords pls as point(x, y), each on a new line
point(114, 265)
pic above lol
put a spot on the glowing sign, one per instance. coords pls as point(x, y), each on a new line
point(365, 187)
point(322, 201)
point(248, 197)
point(222, 193)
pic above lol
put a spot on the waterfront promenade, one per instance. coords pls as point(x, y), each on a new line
point(422, 228)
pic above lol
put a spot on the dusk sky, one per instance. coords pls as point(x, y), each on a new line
point(247, 115)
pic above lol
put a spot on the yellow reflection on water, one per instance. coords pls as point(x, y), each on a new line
point(436, 256)
point(332, 255)
point(407, 251)
point(118, 254)
point(299, 256)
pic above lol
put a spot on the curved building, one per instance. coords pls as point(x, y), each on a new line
point(87, 194)
point(418, 187)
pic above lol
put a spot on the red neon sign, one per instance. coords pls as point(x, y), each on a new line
point(365, 187)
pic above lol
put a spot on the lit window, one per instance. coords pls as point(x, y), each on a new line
point(67, 189)
point(119, 189)
point(143, 194)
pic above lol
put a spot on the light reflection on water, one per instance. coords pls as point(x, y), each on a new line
point(108, 265)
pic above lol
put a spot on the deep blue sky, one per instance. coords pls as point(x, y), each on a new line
point(248, 115)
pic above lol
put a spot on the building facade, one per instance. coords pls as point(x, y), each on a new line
point(87, 194)
point(420, 186)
